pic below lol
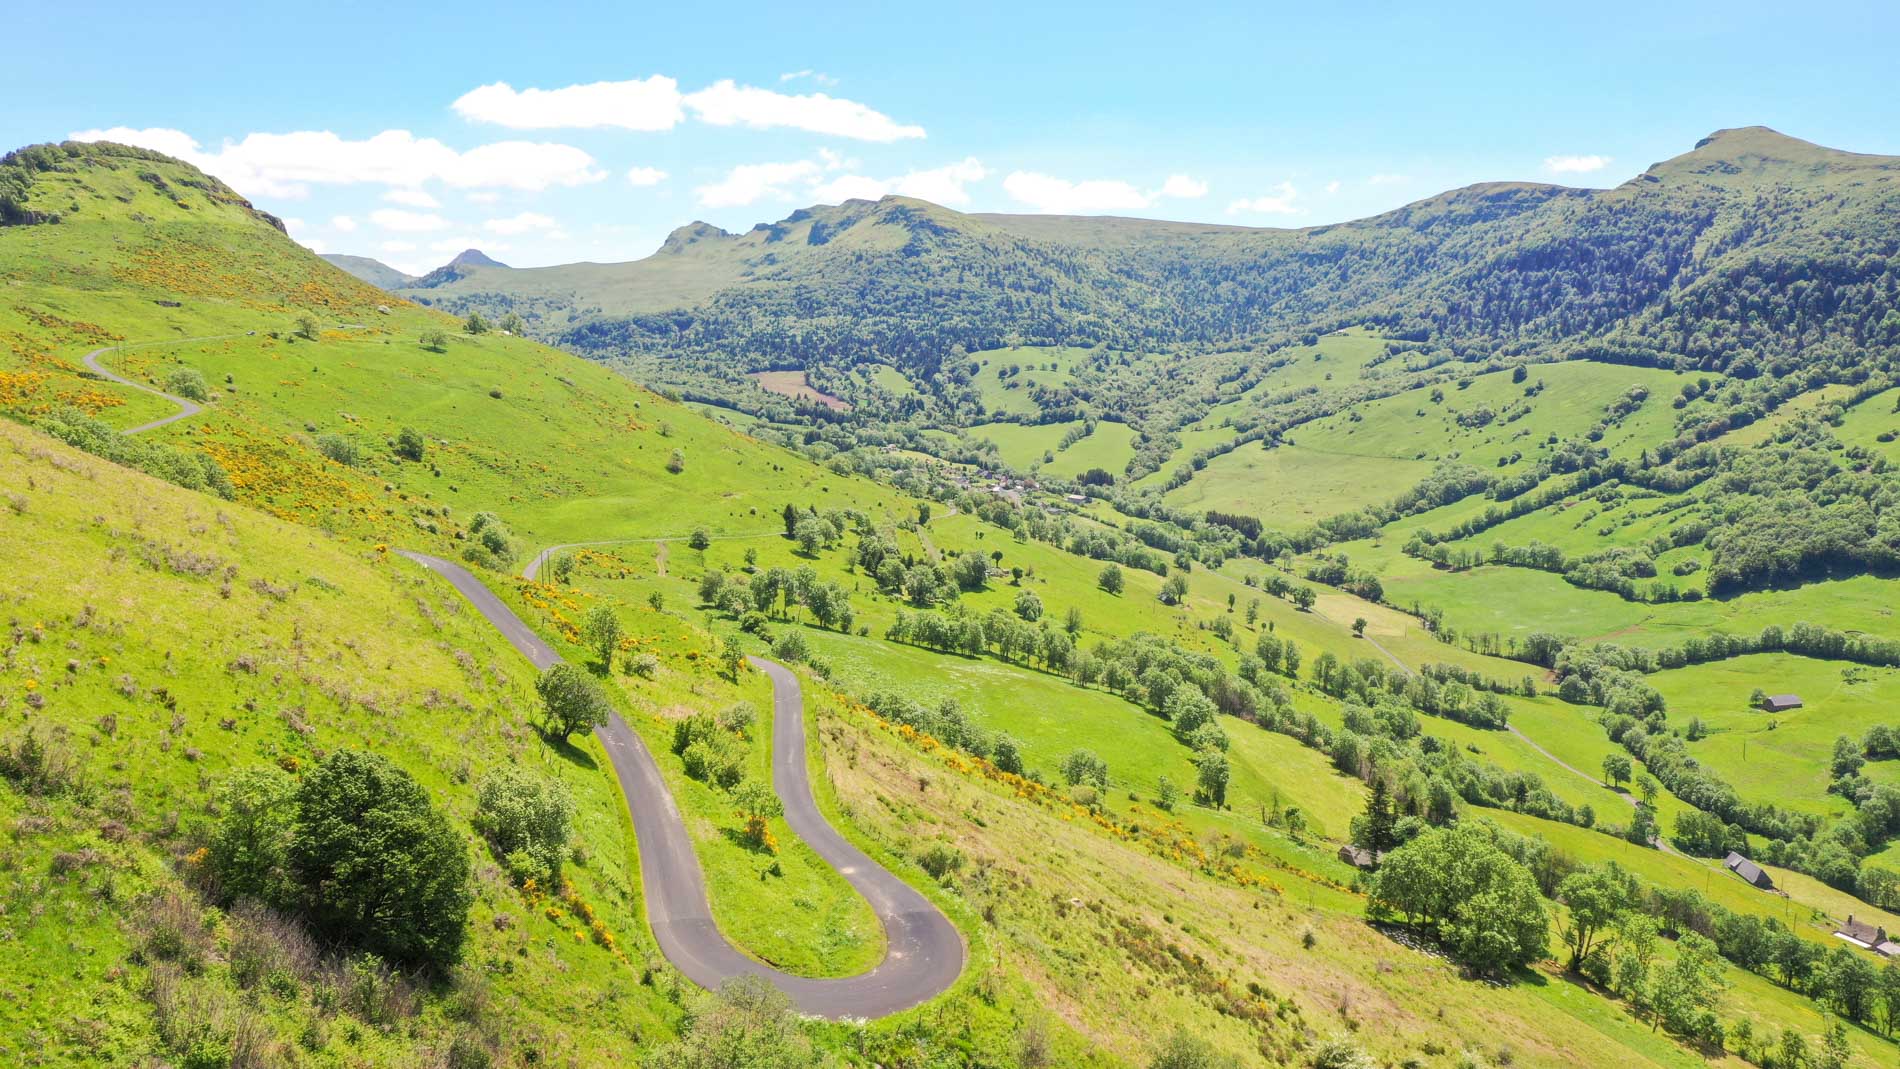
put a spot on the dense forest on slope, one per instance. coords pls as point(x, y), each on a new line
point(1755, 253)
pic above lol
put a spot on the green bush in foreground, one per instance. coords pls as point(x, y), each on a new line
point(527, 819)
point(571, 701)
point(356, 848)
point(380, 867)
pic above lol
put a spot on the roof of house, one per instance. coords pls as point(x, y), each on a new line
point(1783, 701)
point(1868, 935)
point(1358, 856)
point(1747, 870)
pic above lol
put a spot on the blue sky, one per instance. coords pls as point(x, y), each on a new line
point(408, 131)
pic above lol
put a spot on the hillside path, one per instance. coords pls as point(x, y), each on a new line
point(924, 952)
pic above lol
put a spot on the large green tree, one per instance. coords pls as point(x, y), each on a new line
point(571, 701)
point(1458, 883)
point(379, 866)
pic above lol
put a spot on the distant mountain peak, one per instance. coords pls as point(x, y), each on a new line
point(690, 234)
point(1748, 155)
point(475, 258)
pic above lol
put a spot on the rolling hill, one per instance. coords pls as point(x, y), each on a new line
point(235, 604)
point(1659, 270)
point(374, 272)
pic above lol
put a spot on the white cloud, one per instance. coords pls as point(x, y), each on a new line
point(414, 198)
point(1277, 201)
point(817, 76)
point(726, 103)
point(1059, 196)
point(1575, 164)
point(403, 222)
point(656, 103)
point(398, 246)
point(520, 224)
point(645, 176)
point(1388, 179)
point(640, 104)
point(1184, 187)
point(343, 223)
point(941, 185)
point(283, 165)
point(1332, 187)
point(752, 182)
point(484, 198)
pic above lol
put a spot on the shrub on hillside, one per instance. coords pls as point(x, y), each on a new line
point(337, 448)
point(376, 864)
point(526, 818)
point(571, 701)
point(188, 382)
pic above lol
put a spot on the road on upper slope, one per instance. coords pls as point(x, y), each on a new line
point(185, 407)
point(924, 952)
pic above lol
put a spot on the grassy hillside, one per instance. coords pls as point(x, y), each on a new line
point(252, 615)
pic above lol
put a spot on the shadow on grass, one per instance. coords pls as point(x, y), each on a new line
point(570, 753)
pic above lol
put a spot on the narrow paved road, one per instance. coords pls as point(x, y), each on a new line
point(541, 559)
point(924, 952)
point(185, 407)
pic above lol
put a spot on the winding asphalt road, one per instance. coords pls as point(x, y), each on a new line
point(924, 952)
point(185, 407)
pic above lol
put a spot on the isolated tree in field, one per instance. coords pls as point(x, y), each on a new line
point(790, 515)
point(1647, 786)
point(1111, 579)
point(1167, 795)
point(435, 341)
point(1007, 754)
point(601, 631)
point(1481, 903)
point(1029, 606)
point(700, 539)
point(1304, 597)
point(1595, 902)
point(410, 445)
point(1616, 768)
point(1072, 621)
point(809, 533)
point(380, 867)
point(677, 462)
point(1211, 773)
point(571, 701)
point(475, 324)
point(923, 512)
point(188, 382)
point(1083, 767)
point(512, 323)
point(731, 656)
point(308, 326)
point(1359, 627)
point(562, 568)
point(1174, 589)
point(971, 571)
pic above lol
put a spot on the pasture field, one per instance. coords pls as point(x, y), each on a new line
point(1782, 757)
point(1295, 485)
point(1011, 394)
point(793, 384)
